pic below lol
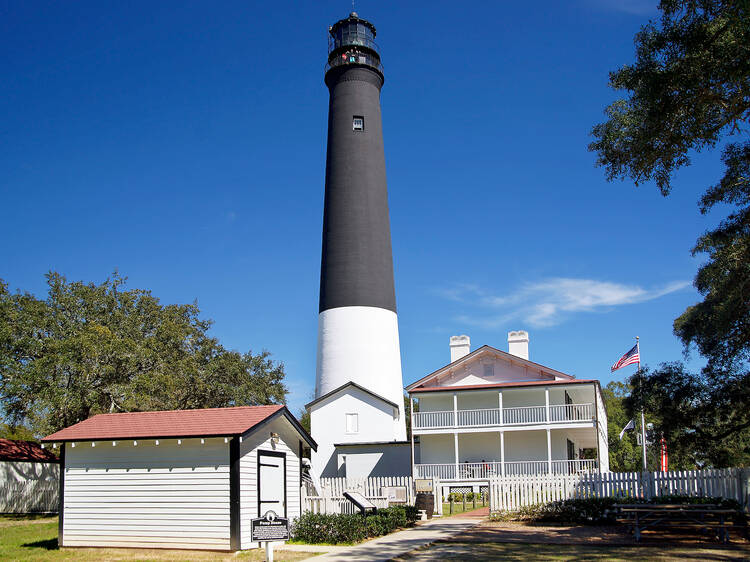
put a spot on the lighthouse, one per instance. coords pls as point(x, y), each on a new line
point(359, 385)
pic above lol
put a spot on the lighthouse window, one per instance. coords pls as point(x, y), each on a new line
point(352, 423)
point(358, 123)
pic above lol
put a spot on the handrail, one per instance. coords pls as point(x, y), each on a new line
point(489, 469)
point(516, 415)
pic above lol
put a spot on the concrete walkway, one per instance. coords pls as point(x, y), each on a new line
point(395, 544)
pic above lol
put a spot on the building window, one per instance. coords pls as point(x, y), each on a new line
point(358, 123)
point(489, 370)
point(352, 423)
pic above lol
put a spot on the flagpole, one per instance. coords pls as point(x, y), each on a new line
point(643, 417)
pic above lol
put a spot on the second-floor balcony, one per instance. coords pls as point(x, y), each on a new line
point(489, 417)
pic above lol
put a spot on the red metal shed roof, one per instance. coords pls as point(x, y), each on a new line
point(170, 423)
point(24, 451)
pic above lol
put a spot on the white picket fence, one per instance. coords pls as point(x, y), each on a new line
point(34, 496)
point(368, 487)
point(322, 504)
point(513, 492)
point(330, 499)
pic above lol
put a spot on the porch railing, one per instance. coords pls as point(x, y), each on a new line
point(484, 470)
point(571, 412)
point(486, 417)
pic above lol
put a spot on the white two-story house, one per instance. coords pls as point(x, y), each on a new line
point(491, 413)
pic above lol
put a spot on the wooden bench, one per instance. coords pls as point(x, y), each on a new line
point(696, 516)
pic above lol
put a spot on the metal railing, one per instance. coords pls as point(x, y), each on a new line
point(355, 57)
point(491, 469)
point(486, 417)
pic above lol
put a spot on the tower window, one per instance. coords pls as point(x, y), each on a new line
point(352, 423)
point(358, 123)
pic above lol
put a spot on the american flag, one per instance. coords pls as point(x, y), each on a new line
point(632, 356)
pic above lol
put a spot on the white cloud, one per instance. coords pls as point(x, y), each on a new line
point(548, 302)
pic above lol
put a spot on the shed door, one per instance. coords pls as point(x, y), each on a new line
point(271, 482)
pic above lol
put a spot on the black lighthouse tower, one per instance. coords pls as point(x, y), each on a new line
point(357, 325)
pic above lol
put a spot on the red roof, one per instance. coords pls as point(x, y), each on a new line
point(500, 385)
point(170, 423)
point(24, 451)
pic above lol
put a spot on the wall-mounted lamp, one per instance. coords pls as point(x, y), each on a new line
point(274, 438)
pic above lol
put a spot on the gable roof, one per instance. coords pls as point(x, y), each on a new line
point(25, 451)
point(208, 422)
point(482, 350)
point(355, 385)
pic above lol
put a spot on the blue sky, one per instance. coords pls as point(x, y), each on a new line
point(184, 144)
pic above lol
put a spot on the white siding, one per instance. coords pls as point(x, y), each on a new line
point(601, 434)
point(165, 496)
point(328, 424)
point(261, 440)
point(24, 471)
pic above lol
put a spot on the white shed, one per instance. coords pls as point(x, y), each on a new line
point(28, 478)
point(178, 479)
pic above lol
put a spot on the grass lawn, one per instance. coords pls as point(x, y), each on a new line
point(35, 538)
point(525, 552)
point(459, 507)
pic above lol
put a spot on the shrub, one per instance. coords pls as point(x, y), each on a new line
point(470, 496)
point(315, 528)
point(594, 510)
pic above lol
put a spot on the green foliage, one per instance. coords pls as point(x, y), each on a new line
point(304, 419)
point(703, 417)
point(596, 510)
point(624, 454)
point(89, 348)
point(16, 432)
point(316, 528)
point(688, 90)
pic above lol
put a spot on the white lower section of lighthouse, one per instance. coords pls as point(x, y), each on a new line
point(360, 345)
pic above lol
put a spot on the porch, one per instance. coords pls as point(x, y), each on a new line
point(483, 471)
point(481, 455)
point(574, 404)
point(486, 417)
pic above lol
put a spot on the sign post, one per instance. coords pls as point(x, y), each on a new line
point(268, 529)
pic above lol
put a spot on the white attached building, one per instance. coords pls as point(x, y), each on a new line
point(358, 426)
point(490, 413)
point(178, 479)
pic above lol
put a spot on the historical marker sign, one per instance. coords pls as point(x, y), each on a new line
point(270, 527)
point(423, 485)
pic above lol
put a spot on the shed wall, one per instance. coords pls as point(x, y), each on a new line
point(165, 496)
point(25, 471)
point(251, 444)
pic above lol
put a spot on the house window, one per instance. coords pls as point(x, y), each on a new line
point(352, 423)
point(489, 370)
point(358, 123)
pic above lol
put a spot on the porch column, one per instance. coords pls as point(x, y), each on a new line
point(455, 451)
point(455, 409)
point(411, 415)
point(502, 453)
point(500, 404)
point(549, 451)
point(546, 401)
